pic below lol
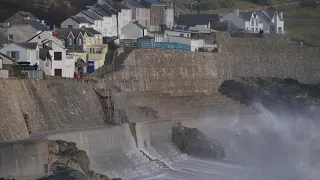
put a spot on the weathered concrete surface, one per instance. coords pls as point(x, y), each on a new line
point(112, 151)
point(24, 160)
point(38, 106)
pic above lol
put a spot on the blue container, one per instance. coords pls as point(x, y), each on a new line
point(90, 66)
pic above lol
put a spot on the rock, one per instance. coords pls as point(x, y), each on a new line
point(68, 162)
point(281, 96)
point(194, 142)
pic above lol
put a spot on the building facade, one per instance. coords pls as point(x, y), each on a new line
point(140, 13)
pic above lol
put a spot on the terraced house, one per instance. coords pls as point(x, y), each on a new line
point(84, 44)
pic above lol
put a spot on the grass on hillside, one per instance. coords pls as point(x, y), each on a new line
point(302, 12)
point(240, 4)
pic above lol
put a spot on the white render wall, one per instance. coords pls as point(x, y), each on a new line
point(25, 55)
point(249, 26)
point(66, 64)
point(169, 18)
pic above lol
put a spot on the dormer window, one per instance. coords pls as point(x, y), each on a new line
point(70, 41)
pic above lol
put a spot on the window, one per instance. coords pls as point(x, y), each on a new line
point(13, 54)
point(252, 22)
point(181, 35)
point(75, 41)
point(70, 27)
point(80, 42)
point(257, 30)
point(70, 41)
point(57, 56)
point(252, 30)
point(10, 37)
point(257, 22)
point(58, 72)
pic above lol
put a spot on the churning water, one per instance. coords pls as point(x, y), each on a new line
point(264, 147)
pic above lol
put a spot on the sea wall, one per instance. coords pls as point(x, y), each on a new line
point(177, 71)
point(24, 160)
point(33, 107)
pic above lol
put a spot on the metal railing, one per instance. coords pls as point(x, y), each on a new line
point(158, 45)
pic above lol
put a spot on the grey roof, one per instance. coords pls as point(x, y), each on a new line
point(139, 25)
point(107, 8)
point(155, 2)
point(80, 19)
point(92, 15)
point(37, 25)
point(197, 19)
point(27, 14)
point(101, 11)
point(235, 20)
point(245, 15)
point(28, 45)
point(136, 4)
point(34, 37)
point(264, 14)
point(91, 31)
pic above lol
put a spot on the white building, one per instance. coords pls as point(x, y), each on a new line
point(96, 20)
point(169, 17)
point(133, 30)
point(76, 22)
point(268, 21)
point(109, 20)
point(124, 14)
point(61, 64)
point(22, 52)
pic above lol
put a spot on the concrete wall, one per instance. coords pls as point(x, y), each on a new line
point(24, 159)
point(101, 143)
point(50, 105)
point(4, 73)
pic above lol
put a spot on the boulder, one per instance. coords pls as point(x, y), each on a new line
point(68, 162)
point(193, 142)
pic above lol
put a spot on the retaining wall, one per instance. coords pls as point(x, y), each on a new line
point(24, 160)
point(34, 107)
point(177, 71)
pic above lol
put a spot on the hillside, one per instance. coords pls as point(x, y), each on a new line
point(53, 11)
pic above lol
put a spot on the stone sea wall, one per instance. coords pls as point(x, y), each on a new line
point(31, 107)
point(177, 71)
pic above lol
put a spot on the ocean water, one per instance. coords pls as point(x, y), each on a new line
point(264, 147)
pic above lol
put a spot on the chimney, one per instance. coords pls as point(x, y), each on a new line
point(236, 12)
point(281, 15)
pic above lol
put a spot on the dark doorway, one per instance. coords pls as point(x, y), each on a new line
point(58, 72)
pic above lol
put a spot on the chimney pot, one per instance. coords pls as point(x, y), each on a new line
point(236, 12)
